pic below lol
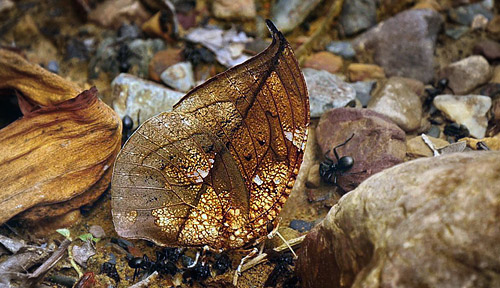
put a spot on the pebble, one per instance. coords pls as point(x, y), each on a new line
point(377, 144)
point(141, 99)
point(179, 76)
point(488, 48)
point(490, 89)
point(324, 61)
point(128, 32)
point(326, 91)
point(162, 60)
point(113, 13)
point(496, 75)
point(6, 5)
point(434, 131)
point(465, 14)
point(493, 27)
point(456, 32)
point(416, 147)
point(362, 72)
point(288, 14)
point(53, 66)
point(97, 231)
point(394, 99)
point(404, 44)
point(358, 15)
point(141, 53)
point(466, 74)
point(428, 4)
point(105, 59)
point(76, 49)
point(301, 225)
point(234, 9)
point(468, 110)
point(363, 91)
point(433, 213)
point(341, 48)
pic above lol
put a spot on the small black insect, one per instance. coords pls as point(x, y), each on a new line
point(222, 263)
point(164, 263)
point(281, 270)
point(331, 168)
point(200, 272)
point(110, 270)
point(456, 130)
point(122, 57)
point(433, 92)
point(482, 146)
point(139, 263)
point(128, 126)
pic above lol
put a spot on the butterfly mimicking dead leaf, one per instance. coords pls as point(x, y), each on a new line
point(217, 170)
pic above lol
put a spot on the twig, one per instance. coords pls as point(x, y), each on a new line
point(146, 282)
point(333, 12)
point(49, 263)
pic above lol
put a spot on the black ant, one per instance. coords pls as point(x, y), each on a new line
point(329, 168)
point(281, 269)
point(128, 126)
point(456, 130)
point(164, 263)
point(433, 92)
point(110, 270)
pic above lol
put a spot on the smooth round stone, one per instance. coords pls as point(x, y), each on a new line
point(179, 76)
point(341, 48)
point(466, 74)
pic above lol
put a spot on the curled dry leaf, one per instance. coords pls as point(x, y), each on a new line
point(58, 156)
point(39, 86)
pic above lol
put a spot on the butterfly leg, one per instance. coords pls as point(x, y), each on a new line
point(238, 271)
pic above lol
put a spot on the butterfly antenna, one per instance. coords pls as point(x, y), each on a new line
point(287, 245)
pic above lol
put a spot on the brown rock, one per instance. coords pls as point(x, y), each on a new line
point(496, 75)
point(324, 61)
point(313, 177)
point(466, 74)
point(377, 144)
point(431, 222)
point(363, 72)
point(494, 27)
point(234, 9)
point(394, 99)
point(492, 142)
point(113, 13)
point(488, 48)
point(416, 147)
point(428, 4)
point(162, 60)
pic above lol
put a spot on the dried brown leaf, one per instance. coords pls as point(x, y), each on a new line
point(38, 86)
point(59, 154)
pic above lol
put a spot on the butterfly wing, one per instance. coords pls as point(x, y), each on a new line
point(219, 168)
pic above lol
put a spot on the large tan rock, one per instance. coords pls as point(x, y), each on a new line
point(431, 222)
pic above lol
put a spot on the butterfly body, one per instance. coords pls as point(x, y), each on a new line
point(217, 169)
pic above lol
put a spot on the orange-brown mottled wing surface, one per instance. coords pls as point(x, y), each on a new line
point(218, 169)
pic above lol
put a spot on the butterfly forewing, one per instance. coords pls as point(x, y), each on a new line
point(218, 169)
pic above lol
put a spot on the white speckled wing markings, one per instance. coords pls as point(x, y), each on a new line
point(219, 168)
